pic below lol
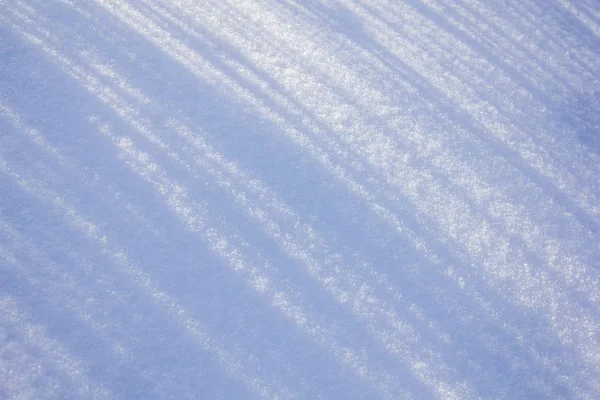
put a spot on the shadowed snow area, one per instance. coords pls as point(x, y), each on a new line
point(299, 199)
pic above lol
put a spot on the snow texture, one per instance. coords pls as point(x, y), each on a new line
point(299, 199)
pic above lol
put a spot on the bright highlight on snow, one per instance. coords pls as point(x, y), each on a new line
point(285, 199)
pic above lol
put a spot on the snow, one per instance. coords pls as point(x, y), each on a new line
point(307, 199)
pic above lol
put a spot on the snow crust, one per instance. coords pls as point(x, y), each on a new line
point(299, 199)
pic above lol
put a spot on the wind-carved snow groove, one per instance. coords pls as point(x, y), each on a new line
point(393, 40)
point(246, 261)
point(25, 271)
point(186, 55)
point(503, 36)
point(462, 221)
point(239, 368)
point(222, 248)
point(519, 27)
point(299, 138)
point(584, 14)
point(411, 55)
point(419, 367)
point(568, 263)
point(194, 216)
point(303, 243)
point(297, 250)
point(554, 256)
point(81, 301)
point(16, 121)
point(38, 139)
point(234, 366)
point(51, 45)
point(562, 260)
point(278, 220)
point(502, 273)
point(290, 247)
point(431, 149)
point(552, 42)
point(52, 352)
point(546, 156)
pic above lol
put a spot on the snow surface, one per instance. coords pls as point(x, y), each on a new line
point(309, 199)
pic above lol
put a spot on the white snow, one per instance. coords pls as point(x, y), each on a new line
point(299, 199)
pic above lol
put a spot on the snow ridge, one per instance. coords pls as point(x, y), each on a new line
point(299, 199)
